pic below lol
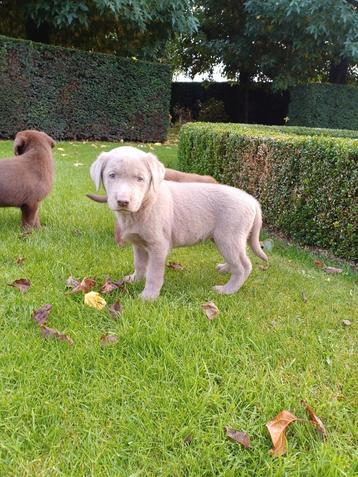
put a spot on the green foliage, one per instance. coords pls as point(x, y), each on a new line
point(125, 27)
point(75, 94)
point(288, 41)
point(303, 39)
point(213, 110)
point(307, 185)
point(324, 105)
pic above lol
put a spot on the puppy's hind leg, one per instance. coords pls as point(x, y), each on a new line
point(30, 218)
point(237, 263)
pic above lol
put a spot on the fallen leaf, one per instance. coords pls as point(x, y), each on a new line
point(332, 270)
point(115, 310)
point(85, 286)
point(108, 339)
point(20, 260)
point(304, 297)
point(94, 300)
point(77, 164)
point(277, 429)
point(108, 286)
point(210, 309)
point(239, 437)
point(71, 282)
point(60, 148)
point(53, 333)
point(263, 267)
point(175, 266)
point(21, 284)
point(318, 263)
point(316, 421)
point(346, 322)
point(188, 440)
point(40, 316)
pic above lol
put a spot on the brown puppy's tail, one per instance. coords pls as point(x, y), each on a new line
point(255, 235)
point(98, 198)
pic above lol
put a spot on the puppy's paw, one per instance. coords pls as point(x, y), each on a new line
point(148, 295)
point(222, 268)
point(223, 290)
point(130, 278)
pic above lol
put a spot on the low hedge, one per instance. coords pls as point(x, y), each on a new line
point(307, 185)
point(74, 94)
point(324, 106)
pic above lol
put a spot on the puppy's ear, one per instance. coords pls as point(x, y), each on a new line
point(19, 144)
point(51, 141)
point(97, 169)
point(157, 170)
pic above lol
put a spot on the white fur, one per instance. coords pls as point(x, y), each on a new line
point(159, 215)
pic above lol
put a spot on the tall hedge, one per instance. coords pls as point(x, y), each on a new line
point(307, 185)
point(73, 94)
point(324, 106)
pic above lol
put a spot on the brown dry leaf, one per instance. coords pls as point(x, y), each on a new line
point(20, 260)
point(346, 322)
point(304, 297)
point(40, 316)
point(239, 437)
point(175, 266)
point(115, 310)
point(277, 429)
point(210, 310)
point(94, 300)
point(85, 286)
point(108, 286)
point(318, 263)
point(72, 282)
point(21, 284)
point(108, 339)
point(332, 270)
point(53, 333)
point(188, 440)
point(316, 421)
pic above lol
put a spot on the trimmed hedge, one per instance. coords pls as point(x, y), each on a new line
point(324, 106)
point(307, 185)
point(74, 94)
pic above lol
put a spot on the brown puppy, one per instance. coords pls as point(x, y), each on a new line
point(27, 179)
point(170, 175)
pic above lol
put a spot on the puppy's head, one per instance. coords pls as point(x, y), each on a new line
point(24, 140)
point(128, 175)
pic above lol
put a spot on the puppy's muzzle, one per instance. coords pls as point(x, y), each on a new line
point(123, 203)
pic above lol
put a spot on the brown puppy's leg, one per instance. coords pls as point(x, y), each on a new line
point(30, 218)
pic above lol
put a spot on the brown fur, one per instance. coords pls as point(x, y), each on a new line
point(170, 175)
point(27, 178)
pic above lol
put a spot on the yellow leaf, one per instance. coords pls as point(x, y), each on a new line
point(95, 300)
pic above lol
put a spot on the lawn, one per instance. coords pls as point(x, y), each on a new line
point(156, 403)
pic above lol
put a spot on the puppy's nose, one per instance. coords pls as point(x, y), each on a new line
point(123, 203)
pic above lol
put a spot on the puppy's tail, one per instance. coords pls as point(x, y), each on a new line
point(255, 235)
point(97, 198)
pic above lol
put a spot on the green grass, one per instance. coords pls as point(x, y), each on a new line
point(127, 409)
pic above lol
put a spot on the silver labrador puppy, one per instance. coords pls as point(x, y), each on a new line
point(157, 215)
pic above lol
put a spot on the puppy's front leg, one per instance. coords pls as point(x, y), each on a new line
point(140, 264)
point(155, 272)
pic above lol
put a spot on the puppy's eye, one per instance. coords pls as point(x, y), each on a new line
point(140, 179)
point(112, 175)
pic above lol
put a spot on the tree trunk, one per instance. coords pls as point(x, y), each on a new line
point(338, 72)
point(39, 33)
